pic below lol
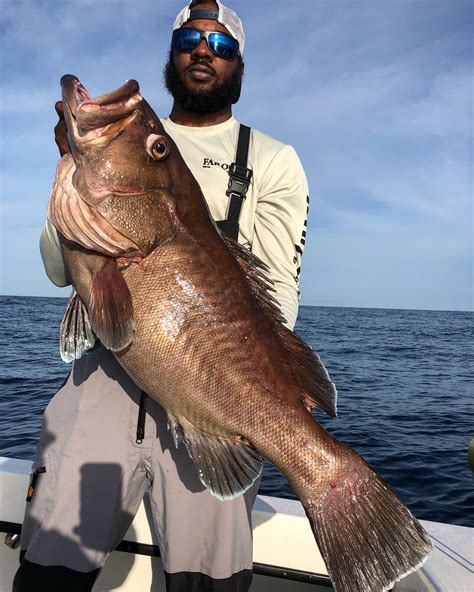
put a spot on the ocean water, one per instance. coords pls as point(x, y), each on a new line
point(404, 380)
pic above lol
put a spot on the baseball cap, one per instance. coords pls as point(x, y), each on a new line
point(223, 15)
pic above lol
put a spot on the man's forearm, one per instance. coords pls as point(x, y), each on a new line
point(50, 250)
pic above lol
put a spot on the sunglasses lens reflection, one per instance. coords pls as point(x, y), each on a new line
point(219, 43)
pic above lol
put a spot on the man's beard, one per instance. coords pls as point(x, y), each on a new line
point(211, 101)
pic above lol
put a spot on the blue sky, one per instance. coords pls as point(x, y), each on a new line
point(375, 95)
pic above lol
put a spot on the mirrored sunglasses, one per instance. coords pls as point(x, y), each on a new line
point(219, 43)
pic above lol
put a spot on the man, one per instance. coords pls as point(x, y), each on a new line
point(103, 441)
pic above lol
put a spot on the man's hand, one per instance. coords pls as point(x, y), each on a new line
point(60, 131)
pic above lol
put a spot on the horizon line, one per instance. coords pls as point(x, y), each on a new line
point(301, 305)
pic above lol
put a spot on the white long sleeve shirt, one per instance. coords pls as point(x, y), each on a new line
point(274, 214)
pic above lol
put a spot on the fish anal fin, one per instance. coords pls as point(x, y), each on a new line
point(76, 336)
point(316, 388)
point(176, 430)
point(111, 308)
point(227, 467)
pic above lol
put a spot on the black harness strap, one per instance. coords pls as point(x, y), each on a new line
point(141, 418)
point(239, 181)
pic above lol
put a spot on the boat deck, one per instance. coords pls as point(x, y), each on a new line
point(286, 557)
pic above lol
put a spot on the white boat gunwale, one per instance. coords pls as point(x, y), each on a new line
point(284, 547)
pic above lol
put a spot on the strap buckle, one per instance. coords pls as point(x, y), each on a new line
point(239, 180)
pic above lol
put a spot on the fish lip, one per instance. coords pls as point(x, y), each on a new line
point(116, 104)
point(119, 96)
point(74, 92)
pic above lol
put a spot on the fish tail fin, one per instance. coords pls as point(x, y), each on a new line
point(368, 538)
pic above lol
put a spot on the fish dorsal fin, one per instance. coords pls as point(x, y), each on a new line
point(76, 335)
point(317, 389)
point(226, 467)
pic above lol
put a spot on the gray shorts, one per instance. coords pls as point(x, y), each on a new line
point(95, 473)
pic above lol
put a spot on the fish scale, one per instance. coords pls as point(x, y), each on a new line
point(192, 321)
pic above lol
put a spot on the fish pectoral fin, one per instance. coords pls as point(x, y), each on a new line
point(226, 467)
point(111, 308)
point(76, 336)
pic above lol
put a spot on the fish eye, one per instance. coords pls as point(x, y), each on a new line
point(158, 147)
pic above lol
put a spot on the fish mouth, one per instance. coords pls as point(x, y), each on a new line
point(93, 123)
point(93, 113)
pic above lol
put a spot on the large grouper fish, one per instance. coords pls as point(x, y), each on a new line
point(189, 315)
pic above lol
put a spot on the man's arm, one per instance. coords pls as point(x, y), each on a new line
point(280, 227)
point(50, 247)
point(50, 250)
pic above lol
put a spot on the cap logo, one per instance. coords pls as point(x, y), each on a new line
point(212, 15)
